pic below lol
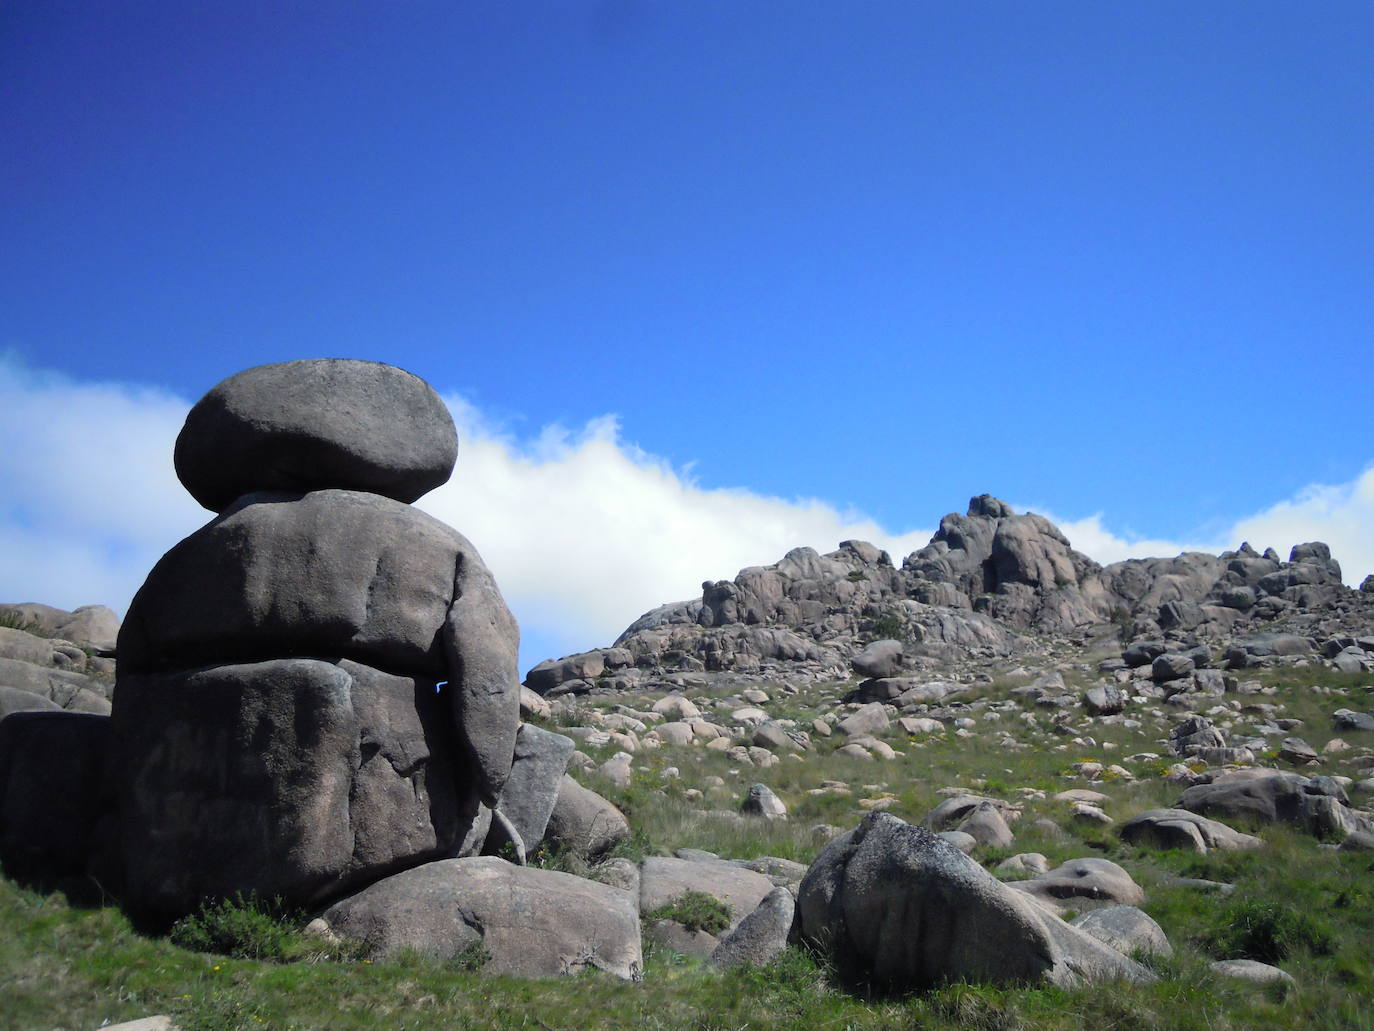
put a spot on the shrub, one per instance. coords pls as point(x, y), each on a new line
point(1267, 932)
point(13, 619)
point(242, 927)
point(696, 911)
point(887, 627)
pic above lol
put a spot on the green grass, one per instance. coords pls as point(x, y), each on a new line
point(1311, 909)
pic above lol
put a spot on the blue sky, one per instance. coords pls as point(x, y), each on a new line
point(746, 271)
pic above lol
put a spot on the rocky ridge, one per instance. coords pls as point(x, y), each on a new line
point(990, 585)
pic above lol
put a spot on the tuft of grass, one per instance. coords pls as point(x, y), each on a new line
point(13, 619)
point(696, 911)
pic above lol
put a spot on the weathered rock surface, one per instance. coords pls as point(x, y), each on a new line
point(296, 778)
point(305, 425)
point(533, 923)
point(330, 573)
point(761, 935)
point(531, 791)
point(663, 880)
point(1082, 884)
point(1126, 929)
point(1179, 828)
point(1316, 805)
point(94, 625)
point(895, 906)
point(583, 822)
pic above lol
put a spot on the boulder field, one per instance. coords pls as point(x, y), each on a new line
point(314, 698)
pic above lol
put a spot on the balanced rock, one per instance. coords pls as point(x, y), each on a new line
point(306, 425)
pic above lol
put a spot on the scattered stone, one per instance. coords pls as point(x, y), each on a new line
point(1252, 971)
point(761, 801)
point(761, 935)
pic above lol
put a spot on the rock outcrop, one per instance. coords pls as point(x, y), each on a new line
point(988, 582)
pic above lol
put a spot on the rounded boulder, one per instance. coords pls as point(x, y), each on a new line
point(309, 425)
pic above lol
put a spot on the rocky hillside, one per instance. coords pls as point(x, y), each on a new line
point(991, 584)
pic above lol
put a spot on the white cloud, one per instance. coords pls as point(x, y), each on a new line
point(89, 498)
point(1341, 515)
point(583, 530)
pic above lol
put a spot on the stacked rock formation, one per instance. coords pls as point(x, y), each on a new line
point(317, 688)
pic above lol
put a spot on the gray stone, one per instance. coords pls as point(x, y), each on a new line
point(533, 923)
point(310, 425)
point(761, 935)
point(663, 880)
point(339, 773)
point(1316, 805)
point(531, 790)
point(12, 699)
point(583, 822)
point(1347, 720)
point(93, 625)
point(1252, 971)
point(74, 692)
point(867, 719)
point(986, 826)
point(896, 907)
point(1104, 700)
point(1179, 828)
point(761, 801)
point(331, 573)
point(1083, 884)
point(23, 646)
point(1171, 666)
point(1126, 929)
point(879, 659)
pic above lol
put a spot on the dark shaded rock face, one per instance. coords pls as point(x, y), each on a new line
point(295, 778)
point(306, 425)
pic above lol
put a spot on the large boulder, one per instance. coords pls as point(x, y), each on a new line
point(1316, 805)
point(1179, 828)
point(1082, 884)
point(55, 792)
point(897, 907)
point(584, 823)
point(74, 692)
point(306, 425)
point(93, 625)
point(530, 922)
point(297, 778)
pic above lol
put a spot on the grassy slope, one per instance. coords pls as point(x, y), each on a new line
point(66, 967)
